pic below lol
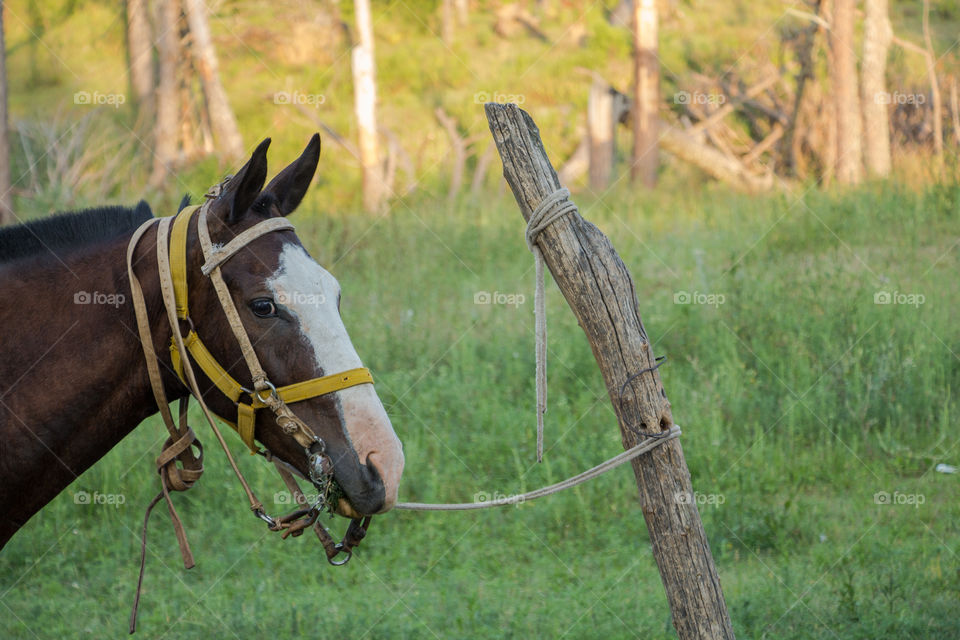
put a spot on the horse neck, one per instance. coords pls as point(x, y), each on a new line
point(73, 381)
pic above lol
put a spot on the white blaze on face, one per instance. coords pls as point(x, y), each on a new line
point(311, 293)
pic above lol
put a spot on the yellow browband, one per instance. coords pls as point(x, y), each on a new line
point(246, 411)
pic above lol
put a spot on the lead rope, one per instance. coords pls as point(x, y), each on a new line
point(552, 208)
point(650, 443)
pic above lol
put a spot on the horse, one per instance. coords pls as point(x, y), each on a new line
point(75, 359)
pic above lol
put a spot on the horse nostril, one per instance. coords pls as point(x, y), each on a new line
point(389, 469)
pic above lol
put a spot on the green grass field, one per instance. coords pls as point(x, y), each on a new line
point(803, 401)
point(800, 398)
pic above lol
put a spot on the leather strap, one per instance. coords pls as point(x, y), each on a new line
point(179, 467)
point(218, 256)
point(178, 259)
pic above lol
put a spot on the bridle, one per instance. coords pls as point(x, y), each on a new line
point(185, 351)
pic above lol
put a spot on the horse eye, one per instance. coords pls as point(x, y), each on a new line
point(264, 308)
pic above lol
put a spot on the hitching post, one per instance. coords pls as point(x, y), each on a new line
point(600, 291)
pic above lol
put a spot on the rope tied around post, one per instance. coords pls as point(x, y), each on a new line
point(552, 208)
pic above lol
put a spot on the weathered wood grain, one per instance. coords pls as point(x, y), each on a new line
point(600, 291)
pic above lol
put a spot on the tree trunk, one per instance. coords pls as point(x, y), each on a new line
point(446, 22)
point(365, 104)
point(646, 97)
point(934, 84)
point(790, 147)
point(226, 133)
point(877, 35)
point(167, 108)
point(458, 154)
point(601, 130)
point(6, 198)
point(601, 293)
point(955, 111)
point(843, 77)
point(463, 11)
point(140, 49)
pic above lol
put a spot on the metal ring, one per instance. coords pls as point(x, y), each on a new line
point(266, 518)
point(340, 550)
point(272, 389)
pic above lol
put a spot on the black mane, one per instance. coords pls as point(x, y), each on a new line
point(66, 231)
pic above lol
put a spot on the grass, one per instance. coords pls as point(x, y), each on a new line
point(800, 399)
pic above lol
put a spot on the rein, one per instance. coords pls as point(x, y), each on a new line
point(179, 465)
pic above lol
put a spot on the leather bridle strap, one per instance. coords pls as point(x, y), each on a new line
point(171, 254)
point(263, 394)
point(216, 257)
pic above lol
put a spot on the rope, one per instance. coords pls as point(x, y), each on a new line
point(650, 443)
point(551, 209)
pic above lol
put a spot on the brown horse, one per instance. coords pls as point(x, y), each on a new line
point(73, 379)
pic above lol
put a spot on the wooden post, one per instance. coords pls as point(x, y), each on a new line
point(601, 294)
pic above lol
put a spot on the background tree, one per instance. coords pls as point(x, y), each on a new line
point(934, 83)
point(365, 104)
point(140, 51)
point(843, 80)
point(226, 133)
point(646, 97)
point(877, 35)
point(446, 21)
point(165, 125)
point(6, 198)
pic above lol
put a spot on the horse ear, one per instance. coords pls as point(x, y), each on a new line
point(243, 188)
point(290, 185)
